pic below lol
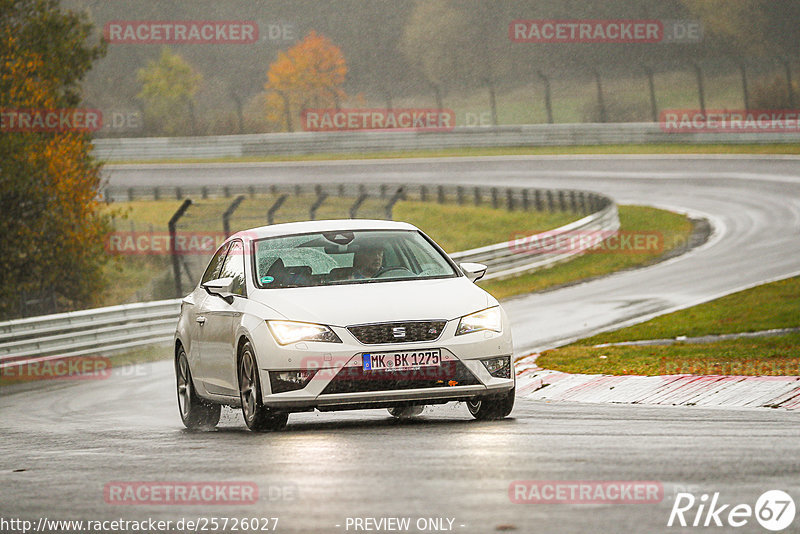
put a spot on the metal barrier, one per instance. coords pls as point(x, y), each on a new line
point(118, 328)
point(259, 145)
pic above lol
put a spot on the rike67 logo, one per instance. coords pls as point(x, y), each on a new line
point(774, 510)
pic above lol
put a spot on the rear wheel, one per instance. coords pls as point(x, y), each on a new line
point(494, 407)
point(404, 412)
point(257, 417)
point(195, 412)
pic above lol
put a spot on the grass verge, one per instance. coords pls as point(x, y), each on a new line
point(769, 306)
point(674, 231)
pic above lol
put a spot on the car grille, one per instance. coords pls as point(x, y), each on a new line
point(377, 333)
point(356, 380)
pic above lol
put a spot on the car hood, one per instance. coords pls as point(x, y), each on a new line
point(349, 304)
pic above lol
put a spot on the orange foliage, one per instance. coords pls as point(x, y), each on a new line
point(51, 231)
point(310, 74)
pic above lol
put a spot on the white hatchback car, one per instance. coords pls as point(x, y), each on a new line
point(338, 315)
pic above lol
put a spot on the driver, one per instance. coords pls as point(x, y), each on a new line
point(367, 261)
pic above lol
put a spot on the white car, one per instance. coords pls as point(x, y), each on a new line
point(339, 315)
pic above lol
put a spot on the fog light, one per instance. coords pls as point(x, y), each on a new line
point(498, 367)
point(282, 381)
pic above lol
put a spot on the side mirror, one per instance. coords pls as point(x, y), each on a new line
point(220, 287)
point(473, 271)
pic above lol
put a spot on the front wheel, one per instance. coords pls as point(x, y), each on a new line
point(257, 417)
point(195, 412)
point(494, 407)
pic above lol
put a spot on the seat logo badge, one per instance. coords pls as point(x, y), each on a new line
point(399, 331)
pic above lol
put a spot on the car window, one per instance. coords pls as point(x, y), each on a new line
point(363, 256)
point(214, 265)
point(233, 267)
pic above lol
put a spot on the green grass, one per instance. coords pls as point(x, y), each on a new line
point(669, 148)
point(773, 305)
point(674, 228)
point(770, 356)
point(769, 306)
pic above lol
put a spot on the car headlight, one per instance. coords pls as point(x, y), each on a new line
point(286, 332)
point(488, 319)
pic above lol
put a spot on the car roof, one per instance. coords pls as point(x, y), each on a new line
point(332, 225)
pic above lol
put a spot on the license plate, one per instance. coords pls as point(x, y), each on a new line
point(401, 361)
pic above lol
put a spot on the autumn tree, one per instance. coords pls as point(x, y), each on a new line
point(52, 225)
point(750, 27)
point(309, 74)
point(169, 86)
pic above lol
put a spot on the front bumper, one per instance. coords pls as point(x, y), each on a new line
point(340, 382)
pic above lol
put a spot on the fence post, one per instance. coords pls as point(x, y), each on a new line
point(745, 93)
point(357, 204)
point(494, 198)
point(789, 89)
point(652, 87)
point(321, 196)
point(176, 267)
point(392, 201)
point(601, 104)
point(492, 100)
point(275, 207)
point(440, 194)
point(477, 197)
point(226, 216)
point(701, 93)
point(509, 199)
point(547, 102)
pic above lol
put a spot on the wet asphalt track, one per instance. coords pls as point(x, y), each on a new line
point(69, 440)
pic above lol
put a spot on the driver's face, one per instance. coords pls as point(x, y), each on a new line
point(368, 262)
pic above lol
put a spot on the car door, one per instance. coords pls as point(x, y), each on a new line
point(221, 319)
point(194, 312)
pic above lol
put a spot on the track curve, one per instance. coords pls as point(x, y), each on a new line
point(62, 442)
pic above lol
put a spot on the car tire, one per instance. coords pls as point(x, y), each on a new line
point(494, 407)
point(196, 413)
point(257, 417)
point(405, 412)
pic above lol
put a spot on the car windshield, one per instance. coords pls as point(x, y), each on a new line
point(347, 257)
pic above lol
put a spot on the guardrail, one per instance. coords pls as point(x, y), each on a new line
point(256, 145)
point(118, 328)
